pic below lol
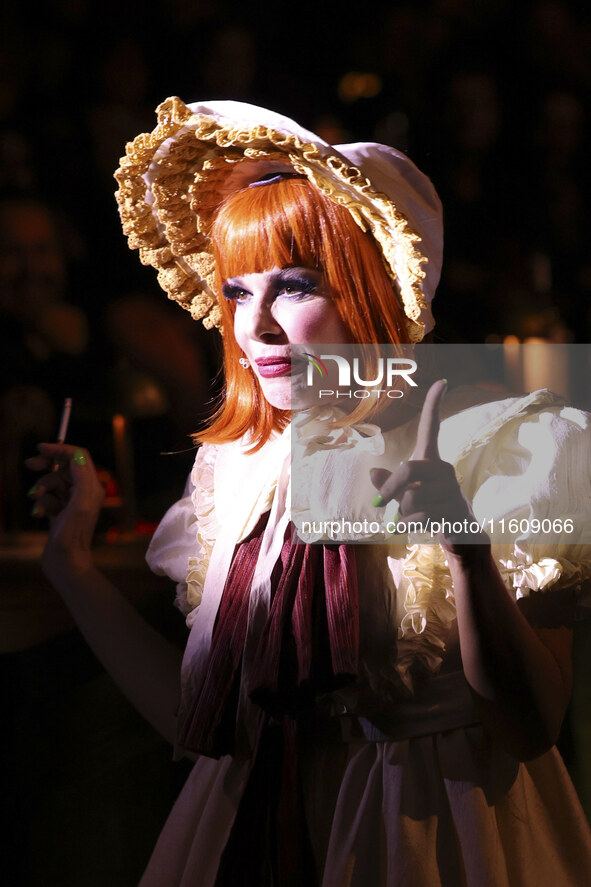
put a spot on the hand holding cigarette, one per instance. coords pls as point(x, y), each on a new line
point(70, 494)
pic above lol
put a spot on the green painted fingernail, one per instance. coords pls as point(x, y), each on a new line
point(392, 528)
point(33, 490)
point(79, 458)
point(378, 501)
point(37, 511)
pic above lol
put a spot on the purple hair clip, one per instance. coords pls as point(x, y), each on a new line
point(272, 177)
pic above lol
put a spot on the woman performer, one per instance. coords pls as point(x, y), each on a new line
point(359, 714)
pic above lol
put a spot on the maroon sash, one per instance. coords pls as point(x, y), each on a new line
point(309, 644)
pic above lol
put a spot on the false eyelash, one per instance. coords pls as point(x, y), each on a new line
point(230, 293)
point(302, 284)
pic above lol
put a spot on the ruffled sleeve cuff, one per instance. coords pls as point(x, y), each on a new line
point(551, 591)
point(182, 543)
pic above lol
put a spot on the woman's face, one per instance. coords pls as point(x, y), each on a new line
point(277, 309)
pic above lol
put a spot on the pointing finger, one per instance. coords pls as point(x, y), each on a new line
point(426, 446)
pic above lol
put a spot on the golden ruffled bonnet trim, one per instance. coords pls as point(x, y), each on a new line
point(188, 179)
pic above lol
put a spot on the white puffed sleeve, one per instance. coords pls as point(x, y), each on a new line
point(182, 543)
point(533, 475)
point(527, 459)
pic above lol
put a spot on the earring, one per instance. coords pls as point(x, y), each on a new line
point(244, 363)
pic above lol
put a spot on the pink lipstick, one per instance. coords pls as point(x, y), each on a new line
point(273, 366)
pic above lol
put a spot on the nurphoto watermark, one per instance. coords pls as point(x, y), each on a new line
point(509, 422)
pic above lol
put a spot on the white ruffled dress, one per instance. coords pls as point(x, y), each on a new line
point(424, 798)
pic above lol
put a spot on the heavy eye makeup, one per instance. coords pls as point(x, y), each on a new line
point(292, 283)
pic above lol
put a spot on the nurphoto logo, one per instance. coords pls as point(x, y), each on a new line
point(388, 369)
point(349, 372)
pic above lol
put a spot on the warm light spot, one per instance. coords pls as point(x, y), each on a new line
point(118, 423)
point(359, 85)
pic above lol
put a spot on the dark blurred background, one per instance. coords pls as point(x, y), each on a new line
point(490, 98)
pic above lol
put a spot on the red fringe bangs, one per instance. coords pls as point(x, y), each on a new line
point(270, 226)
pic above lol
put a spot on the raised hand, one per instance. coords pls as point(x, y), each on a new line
point(70, 494)
point(426, 488)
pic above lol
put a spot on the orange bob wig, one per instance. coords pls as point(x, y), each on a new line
point(290, 222)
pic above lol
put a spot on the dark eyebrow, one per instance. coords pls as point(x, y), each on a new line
point(281, 274)
point(296, 273)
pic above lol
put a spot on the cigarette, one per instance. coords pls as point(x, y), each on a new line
point(63, 430)
point(61, 435)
